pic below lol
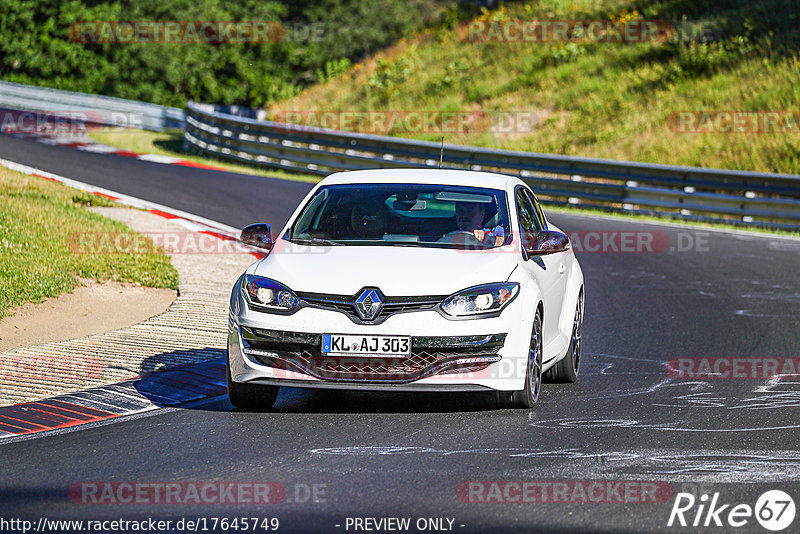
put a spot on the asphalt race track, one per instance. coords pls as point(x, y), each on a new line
point(234, 199)
point(706, 294)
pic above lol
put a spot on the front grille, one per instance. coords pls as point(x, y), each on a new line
point(299, 352)
point(346, 304)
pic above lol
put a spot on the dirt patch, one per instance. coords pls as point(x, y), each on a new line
point(93, 308)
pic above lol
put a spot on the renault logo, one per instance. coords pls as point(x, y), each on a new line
point(369, 303)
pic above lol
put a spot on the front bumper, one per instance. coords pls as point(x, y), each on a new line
point(296, 352)
point(465, 355)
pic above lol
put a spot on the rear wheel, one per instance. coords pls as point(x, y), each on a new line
point(527, 397)
point(566, 370)
point(250, 396)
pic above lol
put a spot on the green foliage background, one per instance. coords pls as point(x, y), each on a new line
point(35, 47)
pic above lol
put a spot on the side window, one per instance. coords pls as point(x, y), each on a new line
point(539, 212)
point(528, 221)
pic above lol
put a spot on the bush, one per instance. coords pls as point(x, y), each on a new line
point(36, 48)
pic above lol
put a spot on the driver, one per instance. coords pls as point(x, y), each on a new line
point(470, 217)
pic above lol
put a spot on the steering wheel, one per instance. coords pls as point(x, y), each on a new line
point(451, 237)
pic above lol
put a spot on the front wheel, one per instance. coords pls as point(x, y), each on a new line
point(250, 396)
point(527, 397)
point(566, 369)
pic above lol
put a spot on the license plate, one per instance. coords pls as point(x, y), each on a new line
point(347, 345)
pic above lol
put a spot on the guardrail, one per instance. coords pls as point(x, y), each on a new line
point(104, 110)
point(738, 197)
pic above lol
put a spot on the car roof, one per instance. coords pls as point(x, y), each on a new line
point(488, 180)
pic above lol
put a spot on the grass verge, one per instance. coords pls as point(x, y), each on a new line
point(170, 143)
point(38, 222)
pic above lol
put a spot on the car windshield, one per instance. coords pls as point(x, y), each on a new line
point(404, 215)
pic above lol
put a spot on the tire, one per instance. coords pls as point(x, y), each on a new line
point(250, 396)
point(527, 397)
point(566, 370)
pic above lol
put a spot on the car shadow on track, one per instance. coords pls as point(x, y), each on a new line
point(200, 385)
point(181, 378)
point(296, 400)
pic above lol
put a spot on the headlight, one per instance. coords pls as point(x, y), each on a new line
point(480, 300)
point(268, 295)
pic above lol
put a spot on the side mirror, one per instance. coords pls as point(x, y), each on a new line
point(548, 242)
point(257, 235)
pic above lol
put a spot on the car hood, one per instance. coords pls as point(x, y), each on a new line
point(395, 270)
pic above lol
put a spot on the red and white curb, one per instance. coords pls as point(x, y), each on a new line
point(167, 388)
point(89, 145)
point(170, 387)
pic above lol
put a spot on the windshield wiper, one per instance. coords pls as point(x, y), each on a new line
point(315, 241)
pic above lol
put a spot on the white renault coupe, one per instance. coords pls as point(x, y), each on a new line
point(408, 280)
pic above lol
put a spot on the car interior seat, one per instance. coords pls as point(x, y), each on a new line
point(368, 221)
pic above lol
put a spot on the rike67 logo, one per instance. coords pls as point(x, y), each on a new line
point(774, 510)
